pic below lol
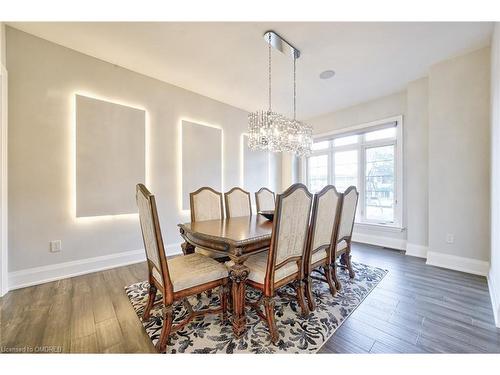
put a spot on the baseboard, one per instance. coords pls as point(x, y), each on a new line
point(416, 250)
point(494, 296)
point(389, 242)
point(53, 272)
point(469, 265)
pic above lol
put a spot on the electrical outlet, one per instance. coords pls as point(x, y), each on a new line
point(55, 246)
point(450, 238)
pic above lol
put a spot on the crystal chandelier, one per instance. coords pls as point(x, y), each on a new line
point(271, 131)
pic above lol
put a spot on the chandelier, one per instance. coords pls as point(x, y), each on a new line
point(272, 131)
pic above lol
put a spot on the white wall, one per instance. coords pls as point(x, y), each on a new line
point(494, 272)
point(459, 162)
point(3, 165)
point(290, 170)
point(3, 54)
point(376, 109)
point(416, 168)
point(446, 162)
point(43, 77)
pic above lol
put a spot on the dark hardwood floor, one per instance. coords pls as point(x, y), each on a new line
point(415, 309)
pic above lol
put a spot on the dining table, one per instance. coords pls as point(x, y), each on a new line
point(236, 238)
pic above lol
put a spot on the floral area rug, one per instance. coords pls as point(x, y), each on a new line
point(209, 334)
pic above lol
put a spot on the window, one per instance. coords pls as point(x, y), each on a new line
point(368, 157)
point(379, 183)
point(318, 172)
point(346, 169)
point(320, 145)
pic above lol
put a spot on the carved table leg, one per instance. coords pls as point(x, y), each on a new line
point(238, 273)
point(187, 248)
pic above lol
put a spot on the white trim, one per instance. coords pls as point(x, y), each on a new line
point(453, 262)
point(53, 272)
point(4, 242)
point(359, 128)
point(391, 243)
point(361, 146)
point(387, 228)
point(494, 294)
point(416, 250)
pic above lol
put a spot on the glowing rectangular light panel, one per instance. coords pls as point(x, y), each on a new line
point(202, 155)
point(110, 156)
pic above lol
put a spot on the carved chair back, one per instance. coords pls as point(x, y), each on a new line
point(206, 204)
point(264, 200)
point(325, 219)
point(348, 214)
point(153, 242)
point(290, 233)
point(237, 203)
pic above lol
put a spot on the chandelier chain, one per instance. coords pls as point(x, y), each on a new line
point(270, 64)
point(294, 88)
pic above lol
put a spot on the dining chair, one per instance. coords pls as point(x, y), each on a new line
point(283, 263)
point(264, 200)
point(238, 203)
point(177, 278)
point(346, 225)
point(322, 234)
point(206, 204)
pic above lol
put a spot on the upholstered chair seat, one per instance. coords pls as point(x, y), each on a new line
point(319, 255)
point(322, 254)
point(257, 268)
point(341, 246)
point(194, 269)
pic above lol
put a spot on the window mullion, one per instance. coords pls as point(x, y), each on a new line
point(361, 177)
point(331, 168)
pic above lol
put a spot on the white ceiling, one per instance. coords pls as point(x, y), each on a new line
point(228, 61)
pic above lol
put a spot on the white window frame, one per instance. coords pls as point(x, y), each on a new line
point(326, 151)
point(362, 146)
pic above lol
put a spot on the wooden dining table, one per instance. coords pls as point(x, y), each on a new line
point(237, 238)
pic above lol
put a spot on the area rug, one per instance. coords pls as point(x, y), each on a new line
point(297, 335)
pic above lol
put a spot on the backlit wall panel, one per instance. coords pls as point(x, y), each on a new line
point(110, 156)
point(201, 158)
